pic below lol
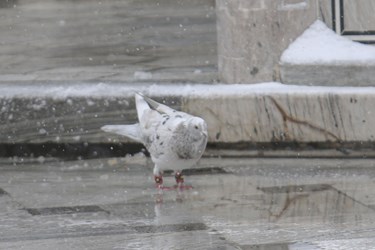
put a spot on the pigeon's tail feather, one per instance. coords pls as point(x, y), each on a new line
point(161, 108)
point(151, 103)
point(131, 131)
point(141, 105)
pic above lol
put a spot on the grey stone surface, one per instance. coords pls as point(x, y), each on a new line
point(325, 12)
point(112, 203)
point(292, 116)
point(49, 43)
point(358, 15)
point(253, 34)
point(265, 115)
point(114, 40)
point(74, 119)
point(327, 75)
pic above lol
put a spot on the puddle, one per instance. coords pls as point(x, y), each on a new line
point(235, 204)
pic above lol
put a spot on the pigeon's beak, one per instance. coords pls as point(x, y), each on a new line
point(204, 134)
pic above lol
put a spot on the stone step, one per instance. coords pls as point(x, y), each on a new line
point(248, 115)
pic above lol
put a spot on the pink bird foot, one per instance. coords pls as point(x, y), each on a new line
point(180, 182)
point(159, 183)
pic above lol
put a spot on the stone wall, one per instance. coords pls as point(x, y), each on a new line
point(253, 34)
point(327, 116)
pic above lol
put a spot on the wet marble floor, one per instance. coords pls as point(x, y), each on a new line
point(236, 203)
point(110, 40)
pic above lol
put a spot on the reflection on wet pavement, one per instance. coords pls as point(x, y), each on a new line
point(266, 204)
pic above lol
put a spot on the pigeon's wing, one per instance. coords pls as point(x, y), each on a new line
point(131, 131)
point(156, 118)
point(149, 119)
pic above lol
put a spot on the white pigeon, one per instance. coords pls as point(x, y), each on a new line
point(175, 140)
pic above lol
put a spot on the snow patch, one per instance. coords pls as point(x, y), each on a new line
point(321, 45)
point(142, 75)
point(137, 159)
point(197, 71)
point(37, 106)
point(121, 90)
point(77, 138)
point(293, 6)
point(42, 131)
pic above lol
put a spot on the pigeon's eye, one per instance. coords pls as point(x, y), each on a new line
point(196, 127)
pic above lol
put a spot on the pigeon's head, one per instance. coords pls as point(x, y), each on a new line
point(197, 128)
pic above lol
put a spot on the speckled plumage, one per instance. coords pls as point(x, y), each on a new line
point(175, 140)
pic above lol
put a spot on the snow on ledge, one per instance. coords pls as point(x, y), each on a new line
point(319, 45)
point(209, 91)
